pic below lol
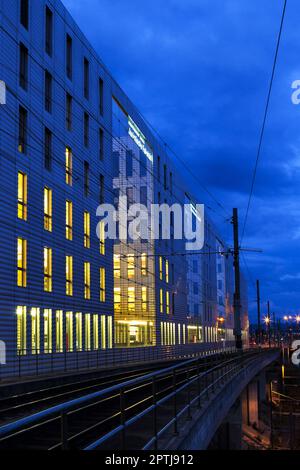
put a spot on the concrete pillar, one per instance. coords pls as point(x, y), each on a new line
point(229, 435)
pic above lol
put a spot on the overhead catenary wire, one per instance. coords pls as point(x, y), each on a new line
point(262, 131)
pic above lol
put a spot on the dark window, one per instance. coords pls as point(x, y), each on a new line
point(129, 163)
point(116, 193)
point(101, 190)
point(24, 13)
point(48, 91)
point(101, 96)
point(69, 106)
point(48, 149)
point(101, 144)
point(116, 164)
point(143, 164)
point(22, 130)
point(173, 303)
point(158, 168)
point(86, 178)
point(165, 177)
point(171, 183)
point(143, 195)
point(69, 57)
point(129, 194)
point(86, 129)
point(23, 66)
point(86, 78)
point(49, 31)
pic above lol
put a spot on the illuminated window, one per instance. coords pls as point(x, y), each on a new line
point(48, 209)
point(144, 264)
point(69, 166)
point(102, 284)
point(35, 330)
point(167, 271)
point(95, 333)
point(117, 299)
point(131, 299)
point(69, 331)
point(109, 333)
point(117, 267)
point(22, 196)
point(22, 263)
point(167, 302)
point(21, 331)
point(161, 301)
point(160, 268)
point(87, 281)
point(144, 299)
point(47, 331)
point(59, 347)
point(87, 230)
point(179, 333)
point(69, 275)
point(130, 266)
point(102, 238)
point(78, 328)
point(103, 332)
point(48, 269)
point(183, 334)
point(87, 329)
point(69, 220)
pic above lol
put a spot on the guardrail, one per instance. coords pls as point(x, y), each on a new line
point(25, 363)
point(182, 389)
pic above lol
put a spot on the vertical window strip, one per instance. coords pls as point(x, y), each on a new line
point(22, 196)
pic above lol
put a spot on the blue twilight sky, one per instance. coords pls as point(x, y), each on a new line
point(199, 71)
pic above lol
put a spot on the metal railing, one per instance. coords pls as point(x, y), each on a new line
point(184, 385)
point(28, 363)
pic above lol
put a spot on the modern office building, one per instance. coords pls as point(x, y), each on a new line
point(70, 139)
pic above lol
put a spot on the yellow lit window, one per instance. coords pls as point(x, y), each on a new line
point(22, 262)
point(117, 299)
point(48, 269)
point(130, 266)
point(167, 302)
point(95, 333)
point(117, 267)
point(87, 281)
point(35, 330)
point(69, 331)
point(69, 275)
point(59, 347)
point(161, 301)
point(102, 284)
point(87, 230)
point(21, 331)
point(144, 263)
point(78, 328)
point(69, 166)
point(87, 329)
point(103, 332)
point(102, 238)
point(183, 334)
point(47, 331)
point(109, 333)
point(144, 299)
point(48, 209)
point(69, 220)
point(131, 299)
point(167, 271)
point(160, 268)
point(179, 333)
point(22, 196)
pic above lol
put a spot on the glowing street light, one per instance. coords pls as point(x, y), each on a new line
point(267, 320)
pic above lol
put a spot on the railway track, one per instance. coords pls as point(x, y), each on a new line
point(96, 417)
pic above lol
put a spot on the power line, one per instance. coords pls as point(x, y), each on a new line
point(264, 119)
